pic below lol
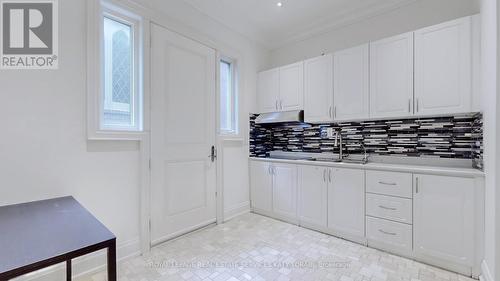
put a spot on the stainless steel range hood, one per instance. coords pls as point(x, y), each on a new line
point(295, 116)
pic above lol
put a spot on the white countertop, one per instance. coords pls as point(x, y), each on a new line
point(408, 168)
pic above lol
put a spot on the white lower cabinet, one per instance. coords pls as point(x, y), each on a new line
point(261, 186)
point(346, 203)
point(444, 220)
point(388, 235)
point(273, 188)
point(438, 222)
point(285, 191)
point(313, 188)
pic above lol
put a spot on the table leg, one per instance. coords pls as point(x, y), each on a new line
point(68, 270)
point(112, 261)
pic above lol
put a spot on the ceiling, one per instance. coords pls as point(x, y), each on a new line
point(272, 26)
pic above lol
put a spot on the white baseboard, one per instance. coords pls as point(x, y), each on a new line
point(236, 210)
point(86, 265)
point(486, 274)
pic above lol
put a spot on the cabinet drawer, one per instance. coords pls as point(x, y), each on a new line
point(388, 235)
point(389, 183)
point(388, 207)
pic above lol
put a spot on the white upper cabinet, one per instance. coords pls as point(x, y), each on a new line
point(346, 202)
point(443, 76)
point(291, 87)
point(444, 219)
point(351, 83)
point(285, 190)
point(391, 77)
point(261, 185)
point(268, 88)
point(318, 89)
point(313, 189)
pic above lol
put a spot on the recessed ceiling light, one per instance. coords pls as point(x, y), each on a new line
point(279, 4)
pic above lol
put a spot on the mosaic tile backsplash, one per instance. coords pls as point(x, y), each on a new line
point(445, 137)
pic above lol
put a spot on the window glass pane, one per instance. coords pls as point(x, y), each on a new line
point(118, 102)
point(226, 98)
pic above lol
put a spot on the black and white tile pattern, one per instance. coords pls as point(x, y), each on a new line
point(445, 137)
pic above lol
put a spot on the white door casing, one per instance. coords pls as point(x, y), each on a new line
point(183, 177)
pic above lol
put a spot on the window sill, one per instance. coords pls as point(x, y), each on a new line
point(117, 135)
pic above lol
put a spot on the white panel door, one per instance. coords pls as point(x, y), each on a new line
point(292, 87)
point(268, 90)
point(318, 89)
point(183, 177)
point(285, 190)
point(346, 201)
point(443, 74)
point(351, 83)
point(444, 218)
point(313, 188)
point(261, 186)
point(391, 76)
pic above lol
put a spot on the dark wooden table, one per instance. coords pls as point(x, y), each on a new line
point(39, 234)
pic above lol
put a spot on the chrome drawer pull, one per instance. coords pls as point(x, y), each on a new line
point(387, 208)
point(387, 183)
point(388, 233)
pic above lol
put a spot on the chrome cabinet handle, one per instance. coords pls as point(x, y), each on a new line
point(409, 105)
point(330, 111)
point(416, 184)
point(281, 104)
point(387, 208)
point(417, 104)
point(324, 175)
point(330, 175)
point(388, 233)
point(269, 170)
point(276, 105)
point(387, 183)
point(335, 112)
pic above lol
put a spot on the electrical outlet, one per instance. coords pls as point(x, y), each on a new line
point(330, 133)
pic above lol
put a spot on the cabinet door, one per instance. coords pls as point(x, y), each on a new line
point(391, 76)
point(351, 88)
point(444, 218)
point(313, 196)
point(292, 87)
point(268, 90)
point(443, 61)
point(346, 202)
point(318, 89)
point(285, 190)
point(261, 185)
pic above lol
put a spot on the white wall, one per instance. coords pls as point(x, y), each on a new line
point(419, 14)
point(44, 151)
point(490, 104)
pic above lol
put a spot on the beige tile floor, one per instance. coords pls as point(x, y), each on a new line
point(253, 247)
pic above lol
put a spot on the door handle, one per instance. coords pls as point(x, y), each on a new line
point(387, 183)
point(276, 105)
point(330, 112)
point(281, 104)
point(416, 184)
point(213, 153)
point(330, 175)
point(324, 175)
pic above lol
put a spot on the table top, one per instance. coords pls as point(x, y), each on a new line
point(38, 231)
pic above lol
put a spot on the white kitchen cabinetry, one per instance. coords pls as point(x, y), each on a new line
point(273, 188)
point(351, 83)
point(261, 186)
point(318, 89)
point(391, 77)
point(313, 188)
point(443, 70)
point(268, 87)
point(444, 220)
point(281, 89)
point(285, 191)
point(292, 87)
point(346, 203)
